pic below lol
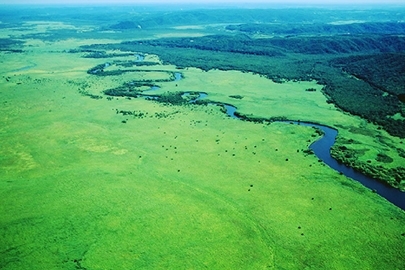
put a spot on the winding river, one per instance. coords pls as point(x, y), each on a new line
point(321, 149)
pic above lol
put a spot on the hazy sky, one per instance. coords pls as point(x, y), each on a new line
point(345, 2)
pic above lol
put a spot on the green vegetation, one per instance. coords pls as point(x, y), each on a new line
point(122, 182)
point(246, 54)
point(102, 54)
point(236, 96)
point(173, 98)
point(352, 157)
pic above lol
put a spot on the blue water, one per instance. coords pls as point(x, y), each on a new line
point(230, 111)
point(139, 57)
point(153, 88)
point(177, 76)
point(24, 68)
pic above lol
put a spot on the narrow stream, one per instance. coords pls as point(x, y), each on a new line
point(32, 65)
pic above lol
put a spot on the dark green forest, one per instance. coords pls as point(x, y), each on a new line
point(10, 45)
point(384, 71)
point(390, 27)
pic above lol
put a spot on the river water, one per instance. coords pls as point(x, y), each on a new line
point(321, 149)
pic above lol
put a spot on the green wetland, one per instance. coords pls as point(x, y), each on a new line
point(160, 138)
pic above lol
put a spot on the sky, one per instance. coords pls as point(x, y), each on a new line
point(300, 2)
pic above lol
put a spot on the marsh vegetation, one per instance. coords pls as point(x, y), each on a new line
point(116, 151)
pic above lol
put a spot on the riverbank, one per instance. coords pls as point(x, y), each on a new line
point(392, 176)
point(377, 179)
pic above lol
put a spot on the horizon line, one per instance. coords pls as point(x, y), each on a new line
point(211, 4)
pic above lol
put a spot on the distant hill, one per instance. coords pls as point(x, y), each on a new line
point(125, 25)
point(321, 28)
point(285, 21)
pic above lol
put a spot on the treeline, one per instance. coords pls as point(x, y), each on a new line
point(320, 28)
point(279, 46)
point(218, 43)
point(100, 70)
point(338, 44)
point(103, 54)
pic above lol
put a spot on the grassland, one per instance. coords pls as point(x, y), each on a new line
point(175, 187)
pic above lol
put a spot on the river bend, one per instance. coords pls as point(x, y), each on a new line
point(321, 149)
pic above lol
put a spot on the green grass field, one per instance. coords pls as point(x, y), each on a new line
point(180, 187)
